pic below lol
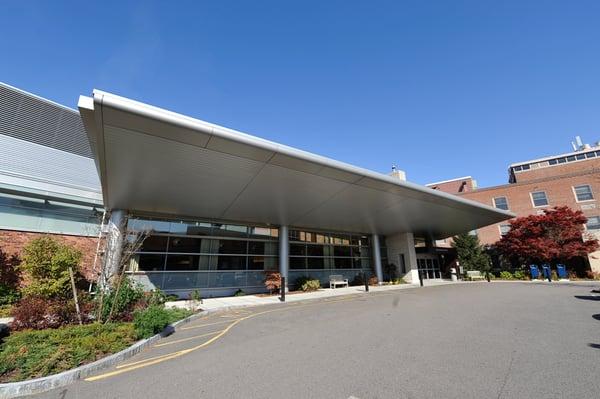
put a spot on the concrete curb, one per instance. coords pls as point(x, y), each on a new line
point(43, 384)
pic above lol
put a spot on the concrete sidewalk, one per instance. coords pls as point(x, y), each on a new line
point(254, 300)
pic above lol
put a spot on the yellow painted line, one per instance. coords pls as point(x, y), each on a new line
point(187, 339)
point(159, 359)
point(143, 360)
point(207, 324)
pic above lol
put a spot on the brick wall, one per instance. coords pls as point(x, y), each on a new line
point(559, 191)
point(455, 186)
point(12, 242)
point(557, 170)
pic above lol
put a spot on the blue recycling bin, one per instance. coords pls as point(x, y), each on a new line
point(534, 271)
point(546, 271)
point(561, 270)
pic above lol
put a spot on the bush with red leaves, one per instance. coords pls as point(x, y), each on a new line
point(40, 313)
point(273, 281)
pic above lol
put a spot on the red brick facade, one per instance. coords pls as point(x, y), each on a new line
point(12, 242)
point(455, 186)
point(557, 181)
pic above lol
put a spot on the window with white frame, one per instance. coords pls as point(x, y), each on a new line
point(501, 203)
point(593, 223)
point(504, 228)
point(539, 198)
point(583, 192)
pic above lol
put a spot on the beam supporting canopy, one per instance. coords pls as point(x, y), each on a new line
point(284, 253)
point(152, 160)
point(377, 258)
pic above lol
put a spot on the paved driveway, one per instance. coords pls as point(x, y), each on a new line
point(481, 340)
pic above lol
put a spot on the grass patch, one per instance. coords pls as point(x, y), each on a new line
point(32, 354)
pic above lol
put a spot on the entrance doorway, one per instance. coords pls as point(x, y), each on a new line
point(429, 266)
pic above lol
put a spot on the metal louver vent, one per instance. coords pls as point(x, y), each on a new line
point(31, 118)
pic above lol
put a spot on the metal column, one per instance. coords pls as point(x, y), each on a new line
point(284, 252)
point(377, 258)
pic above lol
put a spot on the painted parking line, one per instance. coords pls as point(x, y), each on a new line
point(187, 339)
point(207, 324)
point(162, 358)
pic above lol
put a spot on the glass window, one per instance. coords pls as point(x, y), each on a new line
point(318, 263)
point(341, 251)
point(231, 263)
point(315, 250)
point(580, 156)
point(504, 228)
point(151, 263)
point(553, 162)
point(229, 230)
point(263, 232)
point(501, 203)
point(590, 155)
point(232, 247)
point(343, 263)
point(525, 167)
point(571, 158)
point(184, 244)
point(593, 223)
point(262, 247)
point(182, 262)
point(298, 249)
point(539, 198)
point(297, 263)
point(583, 192)
point(258, 262)
point(154, 244)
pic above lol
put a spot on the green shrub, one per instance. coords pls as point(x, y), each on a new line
point(239, 292)
point(155, 319)
point(519, 275)
point(129, 294)
point(46, 263)
point(6, 310)
point(398, 281)
point(306, 283)
point(9, 278)
point(31, 354)
point(8, 295)
point(504, 275)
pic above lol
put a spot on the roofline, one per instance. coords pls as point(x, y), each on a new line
point(592, 148)
point(101, 99)
point(448, 181)
point(38, 97)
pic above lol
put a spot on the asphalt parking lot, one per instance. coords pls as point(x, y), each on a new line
point(480, 340)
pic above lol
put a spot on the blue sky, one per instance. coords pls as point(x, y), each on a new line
point(442, 89)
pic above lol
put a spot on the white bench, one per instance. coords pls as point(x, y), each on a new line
point(474, 275)
point(337, 279)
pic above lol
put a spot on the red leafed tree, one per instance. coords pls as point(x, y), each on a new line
point(554, 236)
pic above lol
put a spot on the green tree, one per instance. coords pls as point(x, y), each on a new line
point(46, 263)
point(471, 253)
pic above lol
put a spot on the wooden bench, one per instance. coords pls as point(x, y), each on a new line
point(474, 275)
point(337, 279)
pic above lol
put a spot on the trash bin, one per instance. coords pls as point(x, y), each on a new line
point(535, 272)
point(561, 270)
point(547, 272)
point(453, 274)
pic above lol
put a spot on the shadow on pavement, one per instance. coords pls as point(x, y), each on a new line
point(588, 297)
point(596, 316)
point(595, 346)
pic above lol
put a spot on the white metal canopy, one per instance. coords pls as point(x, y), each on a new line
point(155, 161)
